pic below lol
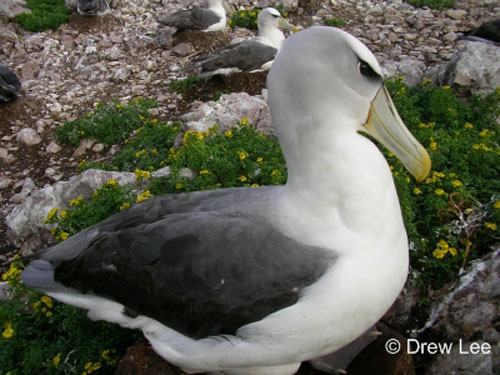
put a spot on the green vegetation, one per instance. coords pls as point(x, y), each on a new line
point(334, 22)
point(433, 4)
point(45, 14)
point(110, 124)
point(247, 18)
point(41, 336)
point(184, 86)
point(455, 214)
point(451, 218)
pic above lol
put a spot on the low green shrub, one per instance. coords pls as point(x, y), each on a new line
point(45, 14)
point(433, 4)
point(335, 22)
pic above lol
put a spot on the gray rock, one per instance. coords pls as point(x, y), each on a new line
point(5, 182)
point(28, 136)
point(30, 70)
point(25, 221)
point(468, 313)
point(228, 111)
point(183, 49)
point(474, 70)
point(9, 9)
point(458, 363)
point(53, 148)
point(28, 186)
point(83, 147)
point(411, 70)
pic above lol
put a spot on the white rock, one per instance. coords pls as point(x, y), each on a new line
point(28, 136)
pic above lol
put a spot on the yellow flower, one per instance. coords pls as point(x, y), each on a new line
point(48, 314)
point(154, 151)
point(228, 133)
point(427, 126)
point(47, 301)
point(81, 164)
point(446, 87)
point(433, 145)
point(76, 202)
point(244, 121)
point(453, 251)
point(140, 174)
point(476, 146)
point(417, 191)
point(154, 121)
point(259, 159)
point(439, 191)
point(468, 125)
point(443, 244)
point(275, 172)
point(178, 185)
point(64, 236)
point(254, 185)
point(51, 213)
point(242, 178)
point(457, 183)
point(12, 274)
point(56, 359)
point(242, 155)
point(63, 214)
point(119, 106)
point(145, 195)
point(138, 154)
point(439, 253)
point(426, 82)
point(484, 133)
point(112, 182)
point(497, 205)
point(124, 206)
point(8, 331)
point(204, 171)
point(491, 226)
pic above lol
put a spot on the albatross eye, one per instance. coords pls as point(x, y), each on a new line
point(366, 70)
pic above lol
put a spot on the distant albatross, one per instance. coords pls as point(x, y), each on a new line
point(208, 19)
point(488, 31)
point(252, 55)
point(253, 281)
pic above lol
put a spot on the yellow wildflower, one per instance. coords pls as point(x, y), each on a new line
point(51, 213)
point(12, 273)
point(452, 251)
point(154, 151)
point(76, 202)
point(439, 191)
point(443, 244)
point(427, 126)
point(457, 183)
point(140, 174)
point(154, 121)
point(63, 214)
point(56, 360)
point(178, 185)
point(228, 133)
point(204, 171)
point(468, 125)
point(8, 332)
point(48, 314)
point(446, 87)
point(81, 164)
point(119, 106)
point(417, 191)
point(259, 159)
point(275, 172)
point(145, 195)
point(244, 121)
point(64, 236)
point(254, 185)
point(47, 301)
point(491, 226)
point(484, 133)
point(124, 206)
point(242, 178)
point(242, 155)
point(138, 154)
point(439, 253)
point(497, 205)
point(476, 146)
point(426, 82)
point(112, 182)
point(433, 145)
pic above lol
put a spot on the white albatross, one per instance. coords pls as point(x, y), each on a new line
point(251, 281)
point(210, 19)
point(252, 55)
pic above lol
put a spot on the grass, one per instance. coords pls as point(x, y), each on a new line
point(45, 14)
point(451, 218)
point(335, 22)
point(433, 4)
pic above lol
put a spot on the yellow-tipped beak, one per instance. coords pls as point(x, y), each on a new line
point(283, 23)
point(385, 125)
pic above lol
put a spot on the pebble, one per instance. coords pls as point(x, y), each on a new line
point(28, 136)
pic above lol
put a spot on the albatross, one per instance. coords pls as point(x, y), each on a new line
point(208, 19)
point(10, 85)
point(252, 55)
point(249, 281)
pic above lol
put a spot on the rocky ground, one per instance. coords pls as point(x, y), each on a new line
point(124, 55)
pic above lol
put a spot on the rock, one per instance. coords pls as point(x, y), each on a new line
point(9, 9)
point(25, 220)
point(228, 111)
point(98, 147)
point(85, 144)
point(30, 70)
point(53, 148)
point(469, 313)
point(28, 136)
point(184, 49)
point(458, 363)
point(5, 182)
point(162, 172)
point(456, 14)
point(411, 70)
point(28, 187)
point(474, 70)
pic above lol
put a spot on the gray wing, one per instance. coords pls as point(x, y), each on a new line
point(191, 19)
point(200, 272)
point(247, 56)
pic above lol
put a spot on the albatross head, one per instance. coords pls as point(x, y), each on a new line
point(335, 95)
point(269, 22)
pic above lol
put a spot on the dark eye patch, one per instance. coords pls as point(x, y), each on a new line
point(366, 70)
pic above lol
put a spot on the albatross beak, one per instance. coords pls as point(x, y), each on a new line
point(284, 24)
point(385, 125)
